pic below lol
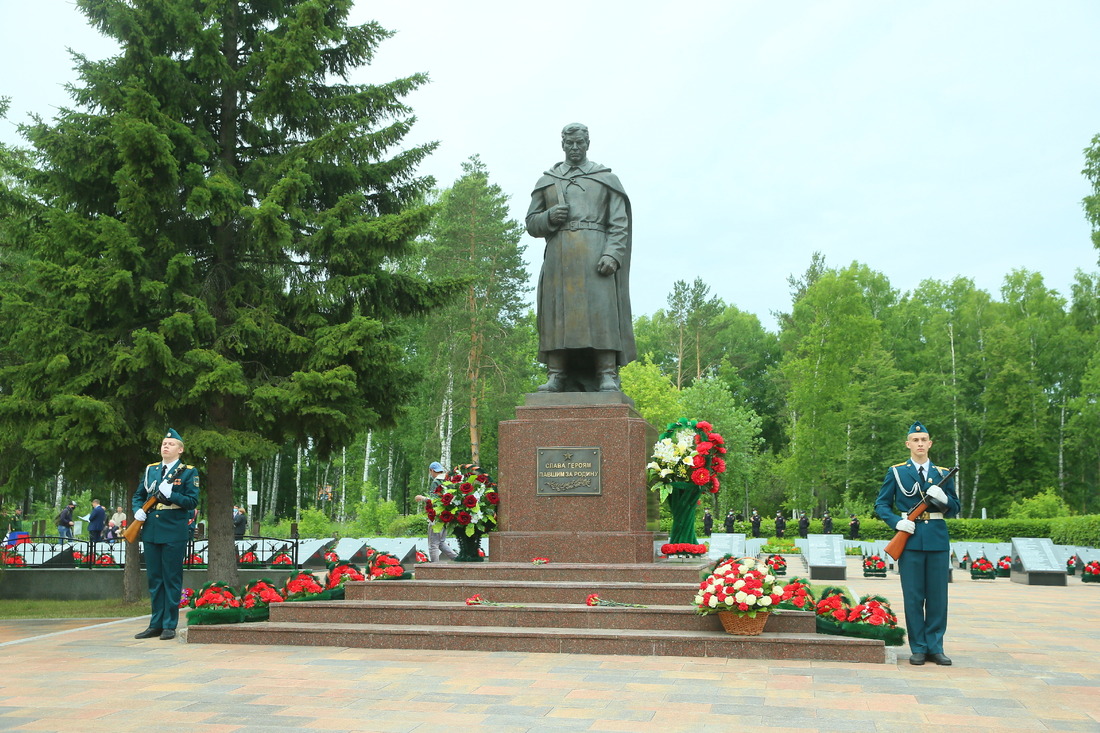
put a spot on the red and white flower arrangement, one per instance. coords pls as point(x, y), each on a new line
point(1090, 573)
point(874, 563)
point(466, 501)
point(217, 595)
point(331, 556)
point(539, 560)
point(342, 573)
point(1005, 563)
point(797, 596)
point(12, 558)
point(834, 607)
point(873, 611)
point(777, 563)
point(688, 451)
point(385, 566)
point(745, 587)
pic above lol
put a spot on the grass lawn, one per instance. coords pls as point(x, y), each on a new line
point(72, 609)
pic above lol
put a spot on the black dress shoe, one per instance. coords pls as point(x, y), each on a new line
point(917, 658)
point(149, 633)
point(941, 659)
point(171, 634)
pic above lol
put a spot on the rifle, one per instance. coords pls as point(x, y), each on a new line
point(897, 545)
point(133, 529)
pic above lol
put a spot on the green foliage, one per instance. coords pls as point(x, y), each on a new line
point(1044, 505)
point(1082, 531)
point(413, 525)
point(314, 523)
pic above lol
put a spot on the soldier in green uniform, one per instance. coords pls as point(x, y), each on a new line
point(164, 534)
point(924, 565)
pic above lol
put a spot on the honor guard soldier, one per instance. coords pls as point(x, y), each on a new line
point(924, 565)
point(164, 534)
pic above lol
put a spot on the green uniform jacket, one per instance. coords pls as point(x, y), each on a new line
point(168, 525)
point(931, 534)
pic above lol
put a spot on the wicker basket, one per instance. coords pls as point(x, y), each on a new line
point(743, 625)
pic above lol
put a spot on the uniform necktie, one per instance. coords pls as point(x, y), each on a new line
point(920, 472)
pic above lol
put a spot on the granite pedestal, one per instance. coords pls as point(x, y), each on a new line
point(618, 525)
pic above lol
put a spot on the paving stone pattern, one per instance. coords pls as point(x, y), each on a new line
point(1027, 658)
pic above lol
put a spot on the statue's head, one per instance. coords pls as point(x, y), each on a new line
point(574, 141)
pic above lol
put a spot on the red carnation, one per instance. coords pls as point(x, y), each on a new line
point(492, 497)
point(704, 448)
point(704, 426)
point(718, 465)
point(699, 461)
point(700, 476)
point(714, 484)
point(716, 438)
point(469, 500)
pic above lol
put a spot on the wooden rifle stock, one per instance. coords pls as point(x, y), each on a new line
point(896, 546)
point(134, 528)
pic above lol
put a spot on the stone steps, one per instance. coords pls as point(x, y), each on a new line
point(430, 612)
point(574, 616)
point(547, 640)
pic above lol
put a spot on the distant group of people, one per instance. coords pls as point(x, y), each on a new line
point(755, 520)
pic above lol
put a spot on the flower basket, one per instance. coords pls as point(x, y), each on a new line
point(778, 564)
point(1004, 567)
point(686, 461)
point(467, 502)
point(743, 587)
point(1091, 572)
point(743, 625)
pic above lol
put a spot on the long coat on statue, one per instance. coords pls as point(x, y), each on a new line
point(577, 307)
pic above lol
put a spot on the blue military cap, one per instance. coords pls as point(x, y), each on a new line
point(917, 427)
point(173, 435)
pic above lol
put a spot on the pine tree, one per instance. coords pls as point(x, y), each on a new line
point(210, 239)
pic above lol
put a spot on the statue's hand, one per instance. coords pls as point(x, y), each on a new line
point(607, 265)
point(559, 214)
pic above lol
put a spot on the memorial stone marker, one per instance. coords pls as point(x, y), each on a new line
point(722, 544)
point(1034, 562)
point(825, 557)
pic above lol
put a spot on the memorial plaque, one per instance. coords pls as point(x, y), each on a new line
point(722, 544)
point(568, 472)
point(825, 557)
point(1035, 562)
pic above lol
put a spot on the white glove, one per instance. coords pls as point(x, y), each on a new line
point(906, 525)
point(140, 515)
point(938, 494)
point(166, 489)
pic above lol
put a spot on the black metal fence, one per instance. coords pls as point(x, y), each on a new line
point(62, 552)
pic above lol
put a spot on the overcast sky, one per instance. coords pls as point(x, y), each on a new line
point(924, 139)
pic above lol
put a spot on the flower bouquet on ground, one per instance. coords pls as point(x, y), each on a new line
point(185, 597)
point(982, 569)
point(282, 561)
point(421, 557)
point(871, 618)
point(594, 599)
point(338, 575)
point(1091, 572)
point(12, 559)
point(683, 549)
point(965, 561)
point(477, 600)
point(215, 603)
point(331, 556)
point(742, 592)
point(249, 560)
point(387, 567)
point(257, 599)
point(303, 586)
point(797, 596)
point(1071, 565)
point(777, 563)
point(686, 461)
point(832, 610)
point(1004, 567)
point(466, 501)
point(194, 562)
point(874, 567)
point(540, 560)
point(106, 561)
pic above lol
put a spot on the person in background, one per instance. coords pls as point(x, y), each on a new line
point(110, 535)
point(164, 534)
point(708, 522)
point(853, 528)
point(728, 524)
point(97, 520)
point(240, 523)
point(755, 521)
point(119, 518)
point(780, 524)
point(827, 522)
point(437, 541)
point(64, 522)
point(803, 525)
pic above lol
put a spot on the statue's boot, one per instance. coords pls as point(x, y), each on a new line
point(607, 371)
point(555, 372)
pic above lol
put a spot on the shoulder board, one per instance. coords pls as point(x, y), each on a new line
point(153, 464)
point(943, 468)
point(898, 465)
point(188, 467)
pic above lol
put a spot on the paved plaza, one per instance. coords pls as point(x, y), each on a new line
point(1026, 658)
